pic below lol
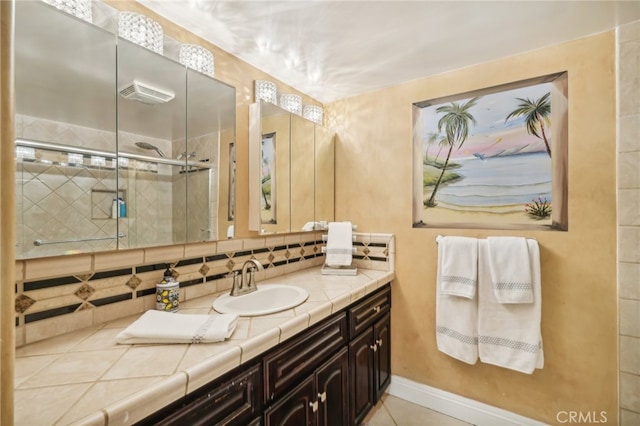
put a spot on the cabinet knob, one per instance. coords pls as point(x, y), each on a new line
point(376, 309)
point(322, 396)
point(374, 347)
point(314, 406)
point(379, 342)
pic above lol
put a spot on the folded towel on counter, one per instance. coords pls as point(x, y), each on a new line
point(509, 334)
point(167, 327)
point(339, 244)
point(510, 269)
point(458, 268)
point(456, 321)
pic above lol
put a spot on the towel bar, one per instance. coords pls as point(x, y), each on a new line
point(324, 249)
point(439, 237)
point(325, 237)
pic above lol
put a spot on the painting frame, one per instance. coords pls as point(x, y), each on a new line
point(475, 198)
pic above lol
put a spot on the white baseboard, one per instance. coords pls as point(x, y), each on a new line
point(453, 405)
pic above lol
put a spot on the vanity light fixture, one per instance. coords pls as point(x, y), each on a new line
point(79, 8)
point(141, 30)
point(265, 90)
point(197, 58)
point(291, 102)
point(313, 113)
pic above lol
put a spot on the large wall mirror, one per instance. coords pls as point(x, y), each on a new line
point(291, 171)
point(99, 169)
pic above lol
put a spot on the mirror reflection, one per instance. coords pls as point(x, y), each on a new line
point(116, 146)
point(291, 171)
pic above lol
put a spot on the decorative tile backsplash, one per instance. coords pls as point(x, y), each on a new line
point(77, 291)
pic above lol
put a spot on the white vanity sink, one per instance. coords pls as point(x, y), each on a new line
point(268, 299)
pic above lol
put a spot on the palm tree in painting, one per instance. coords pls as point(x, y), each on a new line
point(455, 121)
point(442, 142)
point(535, 113)
point(433, 137)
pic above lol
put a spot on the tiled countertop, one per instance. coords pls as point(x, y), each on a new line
point(84, 377)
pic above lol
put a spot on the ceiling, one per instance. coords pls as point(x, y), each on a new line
point(336, 49)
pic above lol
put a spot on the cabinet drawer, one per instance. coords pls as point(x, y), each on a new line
point(369, 310)
point(236, 401)
point(284, 367)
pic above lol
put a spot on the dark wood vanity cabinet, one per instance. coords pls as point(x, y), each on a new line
point(322, 399)
point(331, 374)
point(369, 352)
point(235, 399)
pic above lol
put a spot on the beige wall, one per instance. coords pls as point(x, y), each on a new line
point(579, 316)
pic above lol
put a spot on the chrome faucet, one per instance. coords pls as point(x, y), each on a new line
point(246, 283)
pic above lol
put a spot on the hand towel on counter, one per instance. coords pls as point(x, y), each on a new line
point(509, 334)
point(456, 321)
point(167, 327)
point(510, 269)
point(459, 265)
point(339, 244)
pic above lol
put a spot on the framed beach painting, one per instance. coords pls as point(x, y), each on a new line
point(493, 158)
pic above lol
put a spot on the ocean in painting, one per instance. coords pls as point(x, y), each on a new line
point(510, 180)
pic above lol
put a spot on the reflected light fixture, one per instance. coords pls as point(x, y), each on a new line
point(291, 102)
point(266, 91)
point(141, 30)
point(79, 8)
point(197, 58)
point(313, 113)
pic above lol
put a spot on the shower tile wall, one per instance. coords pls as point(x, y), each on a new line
point(57, 202)
point(629, 221)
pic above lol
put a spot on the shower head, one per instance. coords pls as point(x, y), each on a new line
point(145, 145)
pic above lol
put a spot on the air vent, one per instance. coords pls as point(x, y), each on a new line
point(145, 93)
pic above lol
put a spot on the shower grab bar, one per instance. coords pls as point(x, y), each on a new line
point(77, 240)
point(111, 155)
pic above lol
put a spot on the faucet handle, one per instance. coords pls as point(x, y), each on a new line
point(234, 275)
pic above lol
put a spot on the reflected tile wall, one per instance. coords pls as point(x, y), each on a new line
point(629, 221)
point(58, 201)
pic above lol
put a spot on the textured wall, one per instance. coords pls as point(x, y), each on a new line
point(579, 314)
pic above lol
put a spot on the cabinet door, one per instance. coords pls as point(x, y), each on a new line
point(233, 402)
point(302, 355)
point(296, 408)
point(382, 356)
point(361, 376)
point(332, 385)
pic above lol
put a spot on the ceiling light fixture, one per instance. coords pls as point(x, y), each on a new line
point(313, 113)
point(141, 30)
point(197, 58)
point(266, 91)
point(291, 102)
point(79, 8)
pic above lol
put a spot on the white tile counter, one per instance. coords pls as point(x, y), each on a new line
point(86, 378)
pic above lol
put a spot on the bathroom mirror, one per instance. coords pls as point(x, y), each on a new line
point(99, 170)
point(324, 172)
point(302, 172)
point(291, 171)
point(269, 174)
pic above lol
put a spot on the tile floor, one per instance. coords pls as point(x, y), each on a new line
point(393, 411)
